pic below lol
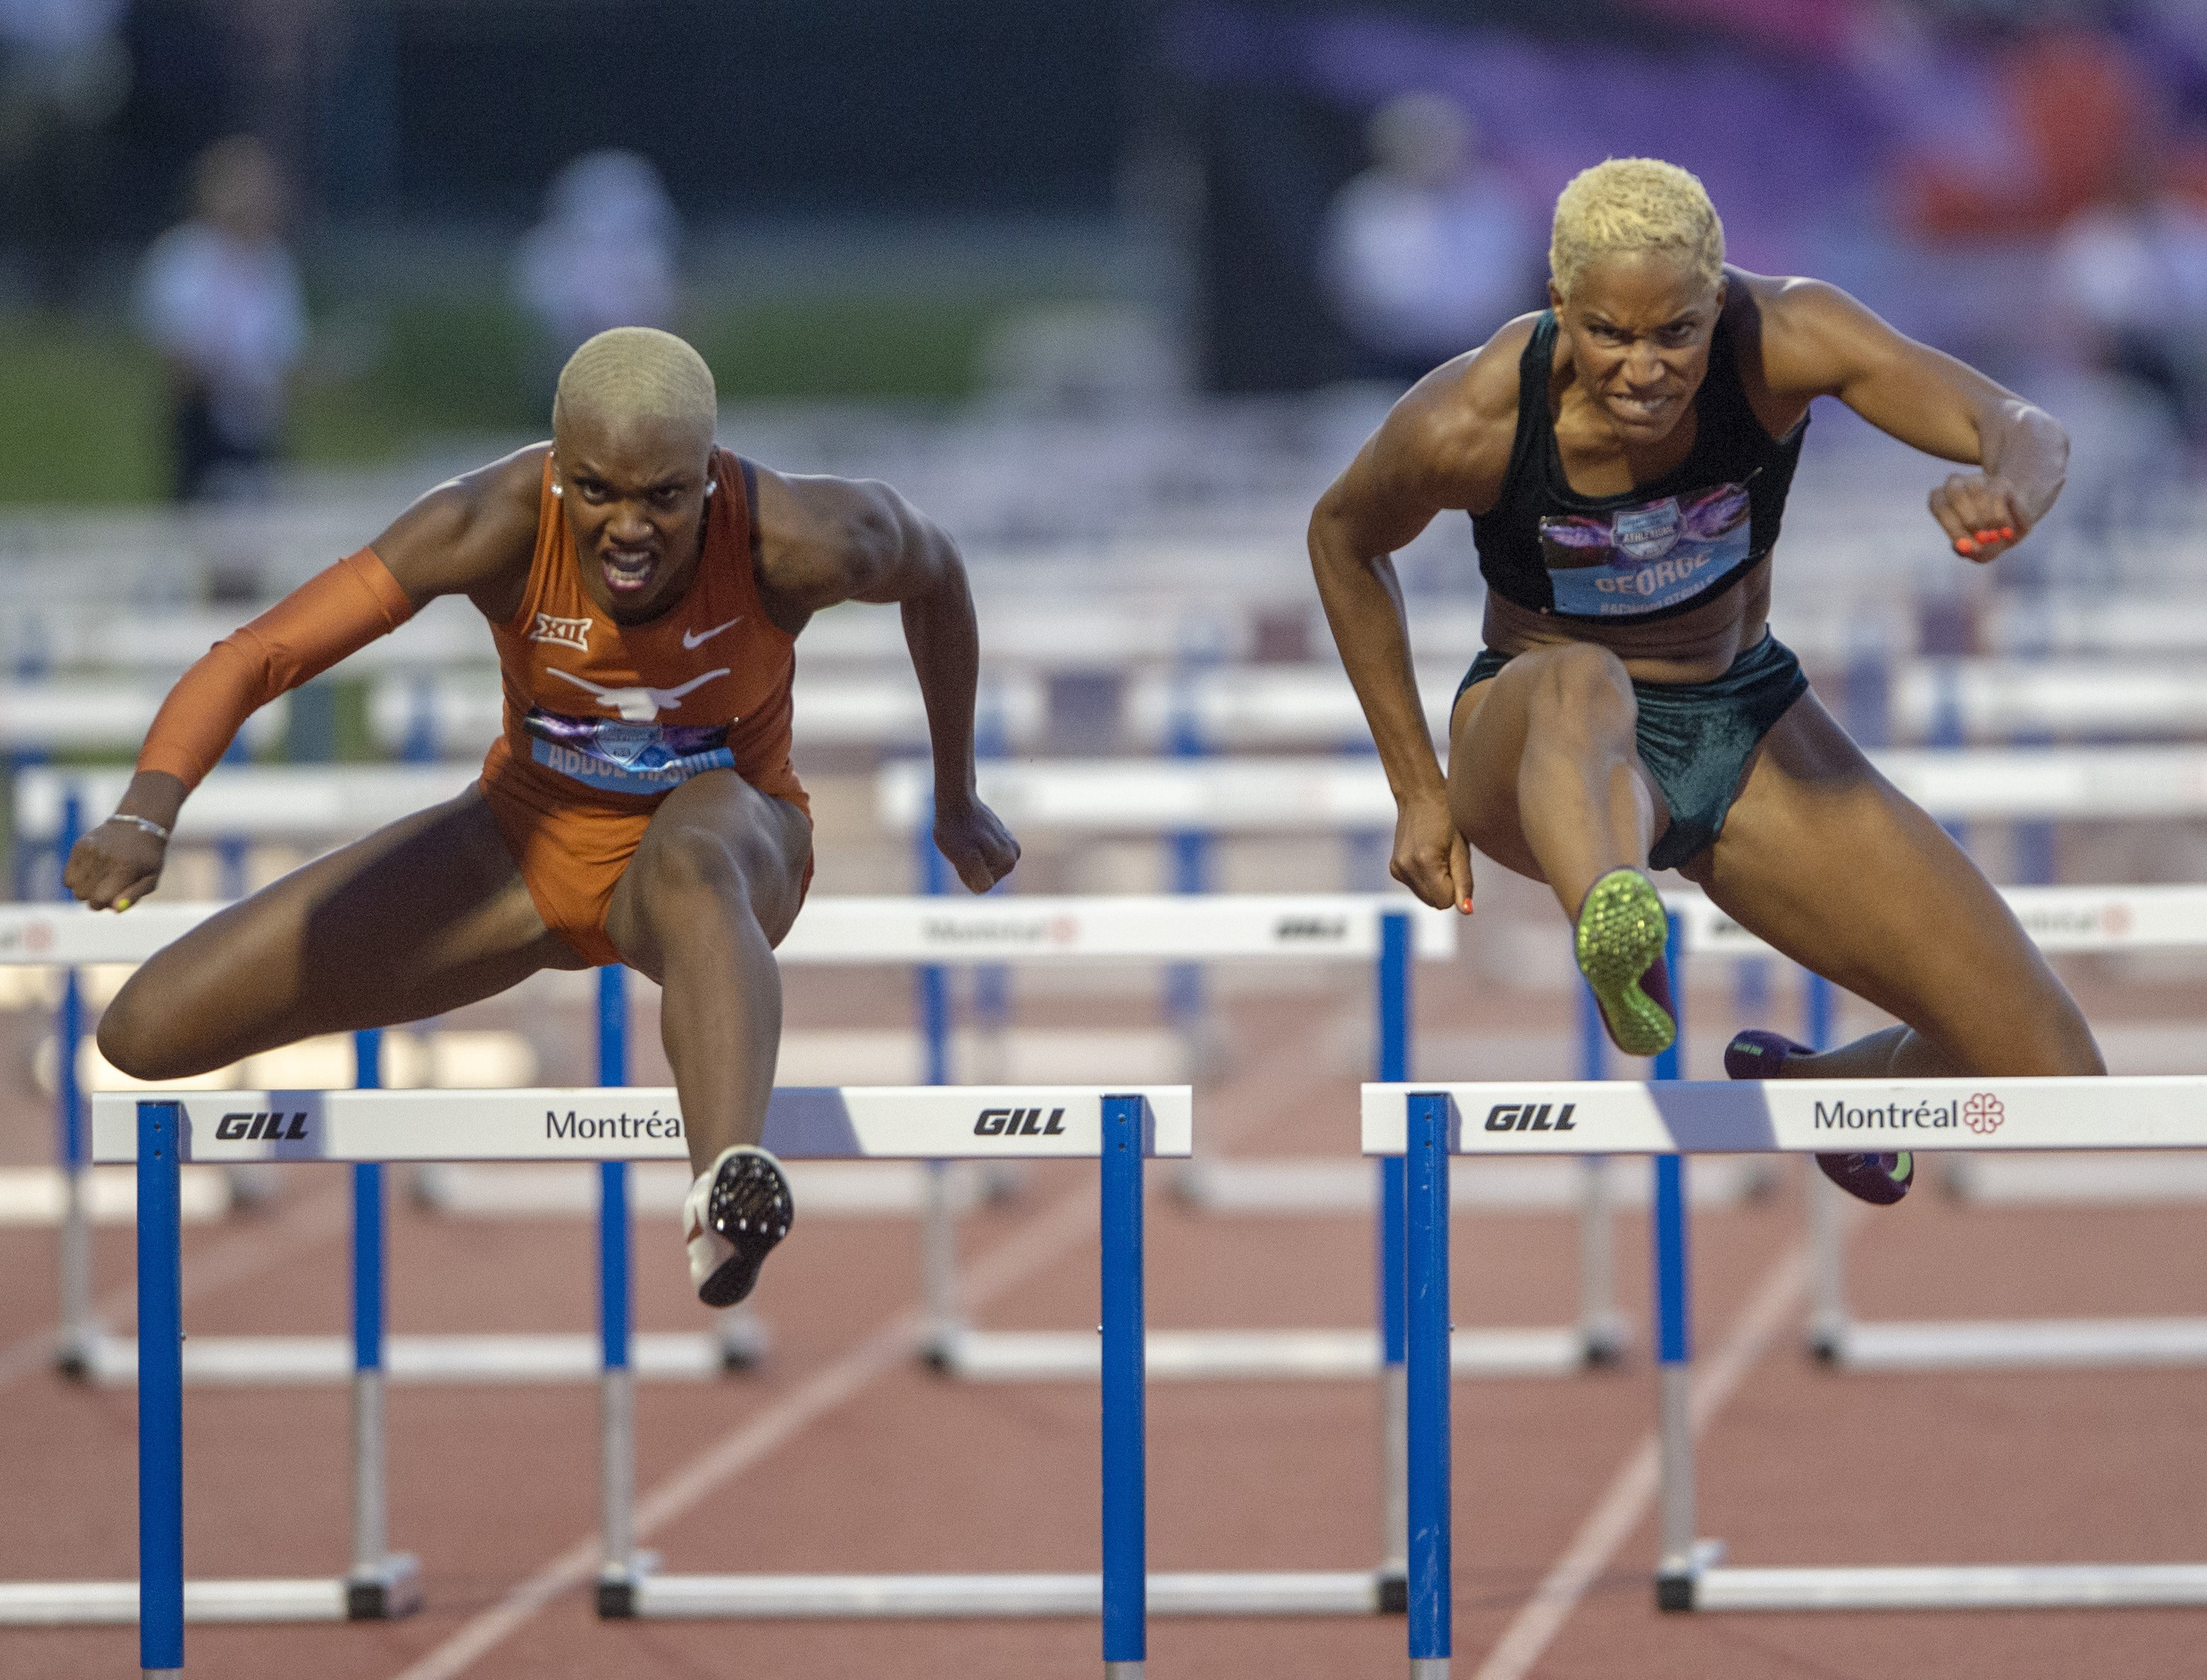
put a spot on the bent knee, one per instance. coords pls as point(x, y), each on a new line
point(690, 865)
point(140, 1037)
point(1579, 684)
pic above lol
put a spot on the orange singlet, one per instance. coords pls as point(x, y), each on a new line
point(603, 721)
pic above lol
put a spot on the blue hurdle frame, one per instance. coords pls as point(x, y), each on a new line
point(1423, 1289)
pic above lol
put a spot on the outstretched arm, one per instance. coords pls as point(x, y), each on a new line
point(1818, 341)
point(461, 537)
point(824, 540)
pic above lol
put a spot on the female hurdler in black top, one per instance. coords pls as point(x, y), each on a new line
point(1624, 457)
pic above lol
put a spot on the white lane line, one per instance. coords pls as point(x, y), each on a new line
point(1632, 1491)
point(1058, 1227)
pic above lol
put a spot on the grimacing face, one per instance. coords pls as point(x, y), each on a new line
point(633, 492)
point(1638, 327)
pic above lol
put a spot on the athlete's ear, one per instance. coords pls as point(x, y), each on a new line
point(1555, 296)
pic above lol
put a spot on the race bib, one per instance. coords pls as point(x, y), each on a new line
point(1643, 558)
point(626, 757)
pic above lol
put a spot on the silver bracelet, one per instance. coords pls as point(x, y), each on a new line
point(145, 822)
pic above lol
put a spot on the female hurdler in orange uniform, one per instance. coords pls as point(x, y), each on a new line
point(645, 590)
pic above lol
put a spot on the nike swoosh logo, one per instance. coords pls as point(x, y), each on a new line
point(699, 638)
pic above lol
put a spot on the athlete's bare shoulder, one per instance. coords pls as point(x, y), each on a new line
point(1445, 444)
point(473, 535)
point(1801, 337)
point(825, 539)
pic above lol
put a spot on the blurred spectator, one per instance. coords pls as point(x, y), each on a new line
point(2133, 271)
point(602, 257)
point(63, 75)
point(1428, 251)
point(218, 296)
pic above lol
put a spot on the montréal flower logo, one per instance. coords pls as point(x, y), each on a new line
point(1982, 1113)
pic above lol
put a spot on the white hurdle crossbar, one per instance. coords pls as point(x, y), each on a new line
point(1427, 1123)
point(1119, 1129)
point(2100, 920)
point(1286, 795)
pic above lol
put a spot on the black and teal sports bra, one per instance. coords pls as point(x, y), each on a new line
point(1656, 550)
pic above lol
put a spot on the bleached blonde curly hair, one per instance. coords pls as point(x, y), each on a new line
point(1635, 204)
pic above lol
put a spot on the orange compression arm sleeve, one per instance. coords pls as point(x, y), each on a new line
point(331, 614)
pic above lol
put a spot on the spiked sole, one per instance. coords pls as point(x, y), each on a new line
point(750, 1208)
point(1622, 931)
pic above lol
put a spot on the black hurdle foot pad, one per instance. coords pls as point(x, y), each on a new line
point(1674, 1591)
point(1394, 1595)
point(386, 1594)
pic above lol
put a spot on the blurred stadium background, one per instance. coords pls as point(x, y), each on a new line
point(1111, 290)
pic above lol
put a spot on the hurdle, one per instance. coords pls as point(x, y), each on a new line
point(1387, 930)
point(380, 1584)
point(1120, 1130)
point(70, 936)
point(1427, 1123)
point(2100, 920)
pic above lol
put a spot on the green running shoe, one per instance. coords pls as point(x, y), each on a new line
point(1622, 932)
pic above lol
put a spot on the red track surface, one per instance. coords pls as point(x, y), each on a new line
point(845, 1456)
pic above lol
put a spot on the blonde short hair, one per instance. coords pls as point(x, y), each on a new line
point(1635, 204)
point(635, 373)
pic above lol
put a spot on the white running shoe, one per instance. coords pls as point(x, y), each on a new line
point(736, 1209)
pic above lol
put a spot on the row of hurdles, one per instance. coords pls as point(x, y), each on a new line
point(931, 934)
point(1413, 1128)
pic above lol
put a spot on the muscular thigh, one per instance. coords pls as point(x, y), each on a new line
point(1825, 859)
point(1487, 733)
point(418, 918)
point(716, 834)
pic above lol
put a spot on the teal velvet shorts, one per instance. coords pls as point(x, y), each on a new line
point(1695, 739)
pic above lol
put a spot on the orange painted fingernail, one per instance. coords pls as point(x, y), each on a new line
point(1963, 545)
point(1466, 907)
point(2008, 533)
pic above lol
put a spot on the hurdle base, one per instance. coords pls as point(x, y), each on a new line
point(76, 1352)
point(390, 1590)
point(736, 1345)
point(746, 1341)
point(1017, 1356)
point(2021, 1344)
point(1604, 1341)
point(87, 1603)
point(1676, 1579)
point(938, 1597)
point(1947, 1587)
point(617, 1585)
